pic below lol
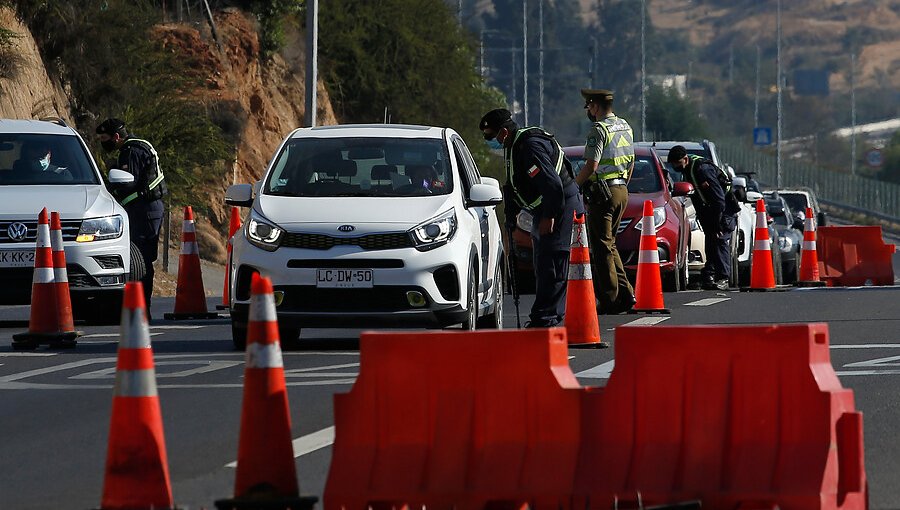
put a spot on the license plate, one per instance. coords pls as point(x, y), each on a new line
point(344, 278)
point(17, 258)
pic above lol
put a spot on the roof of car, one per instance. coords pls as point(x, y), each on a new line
point(34, 127)
point(370, 130)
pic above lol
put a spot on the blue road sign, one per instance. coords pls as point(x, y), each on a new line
point(762, 136)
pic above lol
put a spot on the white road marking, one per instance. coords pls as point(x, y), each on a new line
point(598, 372)
point(646, 321)
point(40, 386)
point(27, 354)
point(205, 367)
point(111, 335)
point(307, 444)
point(890, 361)
point(177, 327)
point(706, 302)
point(571, 357)
point(866, 346)
point(867, 372)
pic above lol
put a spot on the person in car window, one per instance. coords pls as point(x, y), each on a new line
point(422, 175)
point(539, 179)
point(34, 165)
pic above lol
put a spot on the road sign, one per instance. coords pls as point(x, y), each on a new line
point(874, 158)
point(762, 136)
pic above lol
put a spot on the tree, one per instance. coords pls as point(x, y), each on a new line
point(670, 117)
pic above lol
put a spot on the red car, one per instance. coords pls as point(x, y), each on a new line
point(649, 181)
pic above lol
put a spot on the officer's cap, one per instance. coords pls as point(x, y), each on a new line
point(495, 119)
point(597, 95)
point(110, 126)
point(676, 153)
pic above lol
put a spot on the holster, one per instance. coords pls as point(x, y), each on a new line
point(598, 191)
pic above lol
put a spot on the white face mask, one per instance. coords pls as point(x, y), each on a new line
point(45, 162)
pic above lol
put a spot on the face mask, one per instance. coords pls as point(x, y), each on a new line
point(44, 163)
point(108, 145)
point(494, 144)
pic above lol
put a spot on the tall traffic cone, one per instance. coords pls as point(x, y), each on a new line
point(137, 472)
point(582, 323)
point(44, 324)
point(809, 258)
point(233, 227)
point(648, 286)
point(60, 276)
point(762, 274)
point(190, 298)
point(266, 475)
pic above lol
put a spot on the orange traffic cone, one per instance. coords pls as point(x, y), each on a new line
point(233, 227)
point(137, 472)
point(582, 323)
point(190, 298)
point(648, 287)
point(266, 475)
point(60, 276)
point(809, 258)
point(44, 325)
point(762, 274)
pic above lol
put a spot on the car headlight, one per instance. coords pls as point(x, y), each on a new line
point(785, 244)
point(434, 232)
point(263, 234)
point(659, 217)
point(524, 220)
point(98, 229)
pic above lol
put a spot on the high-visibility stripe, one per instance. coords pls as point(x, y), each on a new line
point(761, 220)
point(262, 308)
point(43, 275)
point(648, 257)
point(56, 240)
point(580, 272)
point(59, 275)
point(809, 245)
point(762, 245)
point(579, 236)
point(264, 355)
point(135, 383)
point(134, 332)
point(649, 226)
point(618, 160)
point(808, 225)
point(43, 236)
point(190, 248)
point(188, 226)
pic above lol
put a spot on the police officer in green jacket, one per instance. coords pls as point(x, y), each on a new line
point(609, 159)
point(141, 199)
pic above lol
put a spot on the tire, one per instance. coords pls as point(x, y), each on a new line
point(790, 274)
point(138, 269)
point(776, 265)
point(494, 320)
point(471, 321)
point(239, 330)
point(735, 279)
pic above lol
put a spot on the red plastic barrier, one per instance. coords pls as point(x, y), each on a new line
point(736, 417)
point(853, 255)
point(464, 420)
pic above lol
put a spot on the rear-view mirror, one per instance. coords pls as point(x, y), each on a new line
point(483, 195)
point(117, 176)
point(357, 153)
point(682, 189)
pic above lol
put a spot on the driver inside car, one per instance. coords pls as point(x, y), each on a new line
point(424, 176)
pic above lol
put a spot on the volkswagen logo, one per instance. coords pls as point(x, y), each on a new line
point(342, 228)
point(17, 231)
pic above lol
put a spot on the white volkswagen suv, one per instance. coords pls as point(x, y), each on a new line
point(366, 225)
point(99, 255)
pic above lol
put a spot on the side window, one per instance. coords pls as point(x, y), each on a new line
point(466, 164)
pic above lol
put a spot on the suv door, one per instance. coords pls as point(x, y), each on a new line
point(481, 215)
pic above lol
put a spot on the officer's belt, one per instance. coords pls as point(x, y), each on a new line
point(616, 182)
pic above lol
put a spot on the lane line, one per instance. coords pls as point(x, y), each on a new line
point(707, 301)
point(842, 373)
point(866, 346)
point(39, 386)
point(647, 321)
point(27, 354)
point(177, 327)
point(306, 444)
point(113, 335)
point(598, 372)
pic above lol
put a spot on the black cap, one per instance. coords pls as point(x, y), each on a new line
point(597, 95)
point(110, 126)
point(495, 119)
point(676, 153)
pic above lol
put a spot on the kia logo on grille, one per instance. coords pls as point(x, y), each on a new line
point(346, 228)
point(17, 231)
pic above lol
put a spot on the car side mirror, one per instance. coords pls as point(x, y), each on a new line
point(682, 189)
point(484, 195)
point(491, 181)
point(240, 195)
point(821, 219)
point(117, 176)
point(753, 196)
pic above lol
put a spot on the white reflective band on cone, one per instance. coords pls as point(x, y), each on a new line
point(762, 244)
point(190, 248)
point(809, 245)
point(808, 225)
point(187, 226)
point(264, 355)
point(133, 330)
point(56, 240)
point(262, 308)
point(60, 275)
point(43, 275)
point(648, 227)
point(43, 236)
point(579, 237)
point(648, 257)
point(761, 220)
point(580, 272)
point(135, 383)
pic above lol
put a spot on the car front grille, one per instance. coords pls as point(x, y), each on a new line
point(109, 261)
point(623, 225)
point(70, 230)
point(367, 242)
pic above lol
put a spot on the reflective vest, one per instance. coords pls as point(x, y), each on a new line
point(618, 153)
point(154, 187)
point(694, 161)
point(524, 191)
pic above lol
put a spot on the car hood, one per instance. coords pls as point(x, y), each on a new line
point(365, 214)
point(635, 206)
point(72, 201)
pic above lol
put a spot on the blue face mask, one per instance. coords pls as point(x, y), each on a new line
point(495, 144)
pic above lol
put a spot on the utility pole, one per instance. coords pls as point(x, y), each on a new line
point(643, 72)
point(731, 63)
point(312, 64)
point(525, 60)
point(512, 102)
point(779, 80)
point(541, 63)
point(481, 54)
point(459, 12)
point(852, 112)
point(756, 101)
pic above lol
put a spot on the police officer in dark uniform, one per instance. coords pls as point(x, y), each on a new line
point(142, 199)
point(717, 210)
point(539, 179)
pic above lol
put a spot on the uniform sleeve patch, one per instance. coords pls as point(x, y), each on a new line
point(591, 141)
point(533, 171)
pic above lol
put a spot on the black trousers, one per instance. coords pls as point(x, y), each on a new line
point(145, 221)
point(718, 248)
point(551, 278)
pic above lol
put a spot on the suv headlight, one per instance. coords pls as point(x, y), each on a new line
point(98, 229)
point(524, 220)
point(659, 217)
point(785, 244)
point(262, 233)
point(435, 232)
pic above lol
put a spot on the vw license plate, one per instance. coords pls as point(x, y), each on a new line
point(16, 258)
point(344, 278)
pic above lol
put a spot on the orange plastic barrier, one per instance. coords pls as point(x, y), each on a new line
point(854, 255)
point(457, 419)
point(733, 416)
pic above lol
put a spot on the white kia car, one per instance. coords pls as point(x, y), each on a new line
point(368, 225)
point(99, 255)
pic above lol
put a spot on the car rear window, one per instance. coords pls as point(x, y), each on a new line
point(21, 155)
point(365, 167)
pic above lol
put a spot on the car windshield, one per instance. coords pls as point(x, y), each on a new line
point(778, 213)
point(644, 177)
point(796, 201)
point(40, 159)
point(361, 167)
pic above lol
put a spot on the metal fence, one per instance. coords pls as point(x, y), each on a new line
point(878, 197)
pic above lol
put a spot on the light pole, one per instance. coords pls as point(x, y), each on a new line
point(643, 73)
point(312, 56)
point(779, 81)
point(852, 112)
point(541, 63)
point(525, 60)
